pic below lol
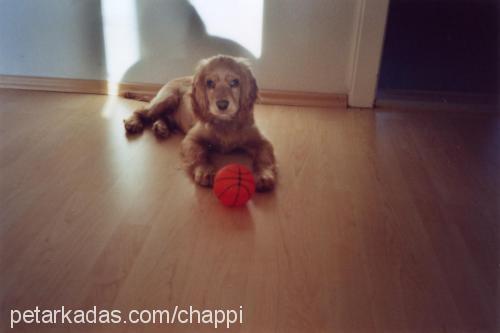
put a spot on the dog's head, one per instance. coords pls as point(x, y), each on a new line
point(224, 90)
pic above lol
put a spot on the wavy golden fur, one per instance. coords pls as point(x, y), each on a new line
point(214, 108)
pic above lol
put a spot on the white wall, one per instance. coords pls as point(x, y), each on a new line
point(57, 38)
point(306, 45)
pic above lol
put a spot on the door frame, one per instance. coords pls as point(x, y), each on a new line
point(369, 32)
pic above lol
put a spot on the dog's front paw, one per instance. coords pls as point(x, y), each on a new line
point(160, 129)
point(204, 175)
point(265, 180)
point(133, 125)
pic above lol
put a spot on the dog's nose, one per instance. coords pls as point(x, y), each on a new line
point(222, 104)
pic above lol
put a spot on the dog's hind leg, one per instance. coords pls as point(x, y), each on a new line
point(161, 129)
point(166, 101)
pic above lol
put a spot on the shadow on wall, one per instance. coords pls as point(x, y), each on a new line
point(172, 37)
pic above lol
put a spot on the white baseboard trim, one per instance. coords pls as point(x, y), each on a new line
point(102, 87)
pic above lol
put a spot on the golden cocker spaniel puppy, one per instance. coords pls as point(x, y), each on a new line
point(214, 108)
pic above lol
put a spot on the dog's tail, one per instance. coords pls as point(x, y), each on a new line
point(137, 96)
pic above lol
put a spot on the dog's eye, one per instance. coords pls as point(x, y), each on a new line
point(210, 84)
point(234, 83)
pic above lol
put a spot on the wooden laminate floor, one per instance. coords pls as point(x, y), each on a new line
point(383, 221)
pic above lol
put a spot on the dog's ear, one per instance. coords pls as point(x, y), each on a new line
point(198, 94)
point(249, 89)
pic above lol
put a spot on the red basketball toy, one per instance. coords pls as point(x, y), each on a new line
point(234, 185)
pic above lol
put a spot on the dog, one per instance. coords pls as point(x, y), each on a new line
point(214, 109)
